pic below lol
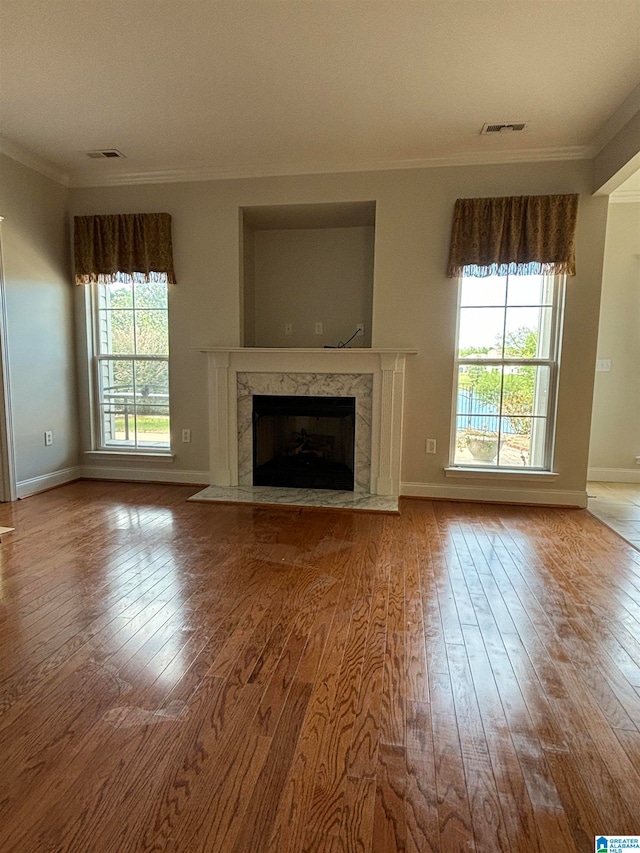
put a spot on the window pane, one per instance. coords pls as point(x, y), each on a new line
point(525, 392)
point(483, 291)
point(541, 391)
point(116, 332)
point(151, 295)
point(476, 444)
point(481, 332)
point(116, 379)
point(119, 424)
point(526, 290)
point(152, 426)
point(152, 383)
point(479, 393)
point(152, 403)
point(117, 295)
point(152, 336)
point(117, 407)
point(525, 448)
point(528, 333)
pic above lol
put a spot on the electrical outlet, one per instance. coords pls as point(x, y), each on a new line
point(288, 328)
point(360, 328)
point(430, 445)
point(603, 365)
point(318, 328)
point(48, 438)
point(186, 436)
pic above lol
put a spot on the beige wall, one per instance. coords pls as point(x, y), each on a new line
point(615, 437)
point(310, 275)
point(619, 159)
point(248, 290)
point(39, 301)
point(414, 304)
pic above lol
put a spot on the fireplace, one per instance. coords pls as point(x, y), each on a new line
point(304, 442)
point(374, 377)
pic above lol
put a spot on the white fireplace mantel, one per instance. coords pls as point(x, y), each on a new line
point(385, 366)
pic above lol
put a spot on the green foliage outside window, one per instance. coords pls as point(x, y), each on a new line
point(516, 389)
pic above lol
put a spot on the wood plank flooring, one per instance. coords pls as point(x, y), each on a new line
point(180, 677)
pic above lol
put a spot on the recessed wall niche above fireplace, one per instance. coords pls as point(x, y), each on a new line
point(307, 274)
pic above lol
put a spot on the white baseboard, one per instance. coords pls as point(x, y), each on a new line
point(484, 493)
point(32, 486)
point(614, 475)
point(145, 475)
point(489, 494)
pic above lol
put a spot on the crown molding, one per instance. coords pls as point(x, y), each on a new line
point(38, 164)
point(625, 197)
point(196, 174)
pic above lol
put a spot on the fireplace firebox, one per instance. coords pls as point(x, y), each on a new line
point(304, 442)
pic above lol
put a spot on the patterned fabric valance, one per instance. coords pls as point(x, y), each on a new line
point(124, 247)
point(523, 235)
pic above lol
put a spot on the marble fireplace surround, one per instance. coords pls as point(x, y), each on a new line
point(375, 377)
point(358, 385)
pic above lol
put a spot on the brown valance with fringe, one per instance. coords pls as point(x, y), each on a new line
point(516, 235)
point(124, 247)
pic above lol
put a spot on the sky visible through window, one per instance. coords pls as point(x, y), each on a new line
point(491, 312)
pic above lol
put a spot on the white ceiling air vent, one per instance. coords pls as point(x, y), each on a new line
point(106, 154)
point(503, 127)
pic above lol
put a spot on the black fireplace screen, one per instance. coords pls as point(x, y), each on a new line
point(304, 442)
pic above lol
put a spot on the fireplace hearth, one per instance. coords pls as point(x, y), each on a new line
point(304, 442)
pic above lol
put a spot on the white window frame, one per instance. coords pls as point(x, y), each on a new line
point(98, 443)
point(552, 363)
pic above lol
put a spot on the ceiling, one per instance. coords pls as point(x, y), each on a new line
point(245, 87)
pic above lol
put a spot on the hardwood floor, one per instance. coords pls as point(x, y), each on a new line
point(183, 677)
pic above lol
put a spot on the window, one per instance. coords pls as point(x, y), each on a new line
point(506, 371)
point(131, 364)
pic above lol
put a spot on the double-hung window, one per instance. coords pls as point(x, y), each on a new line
point(506, 371)
point(131, 355)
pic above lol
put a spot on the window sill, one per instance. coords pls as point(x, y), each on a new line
point(138, 455)
point(472, 473)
